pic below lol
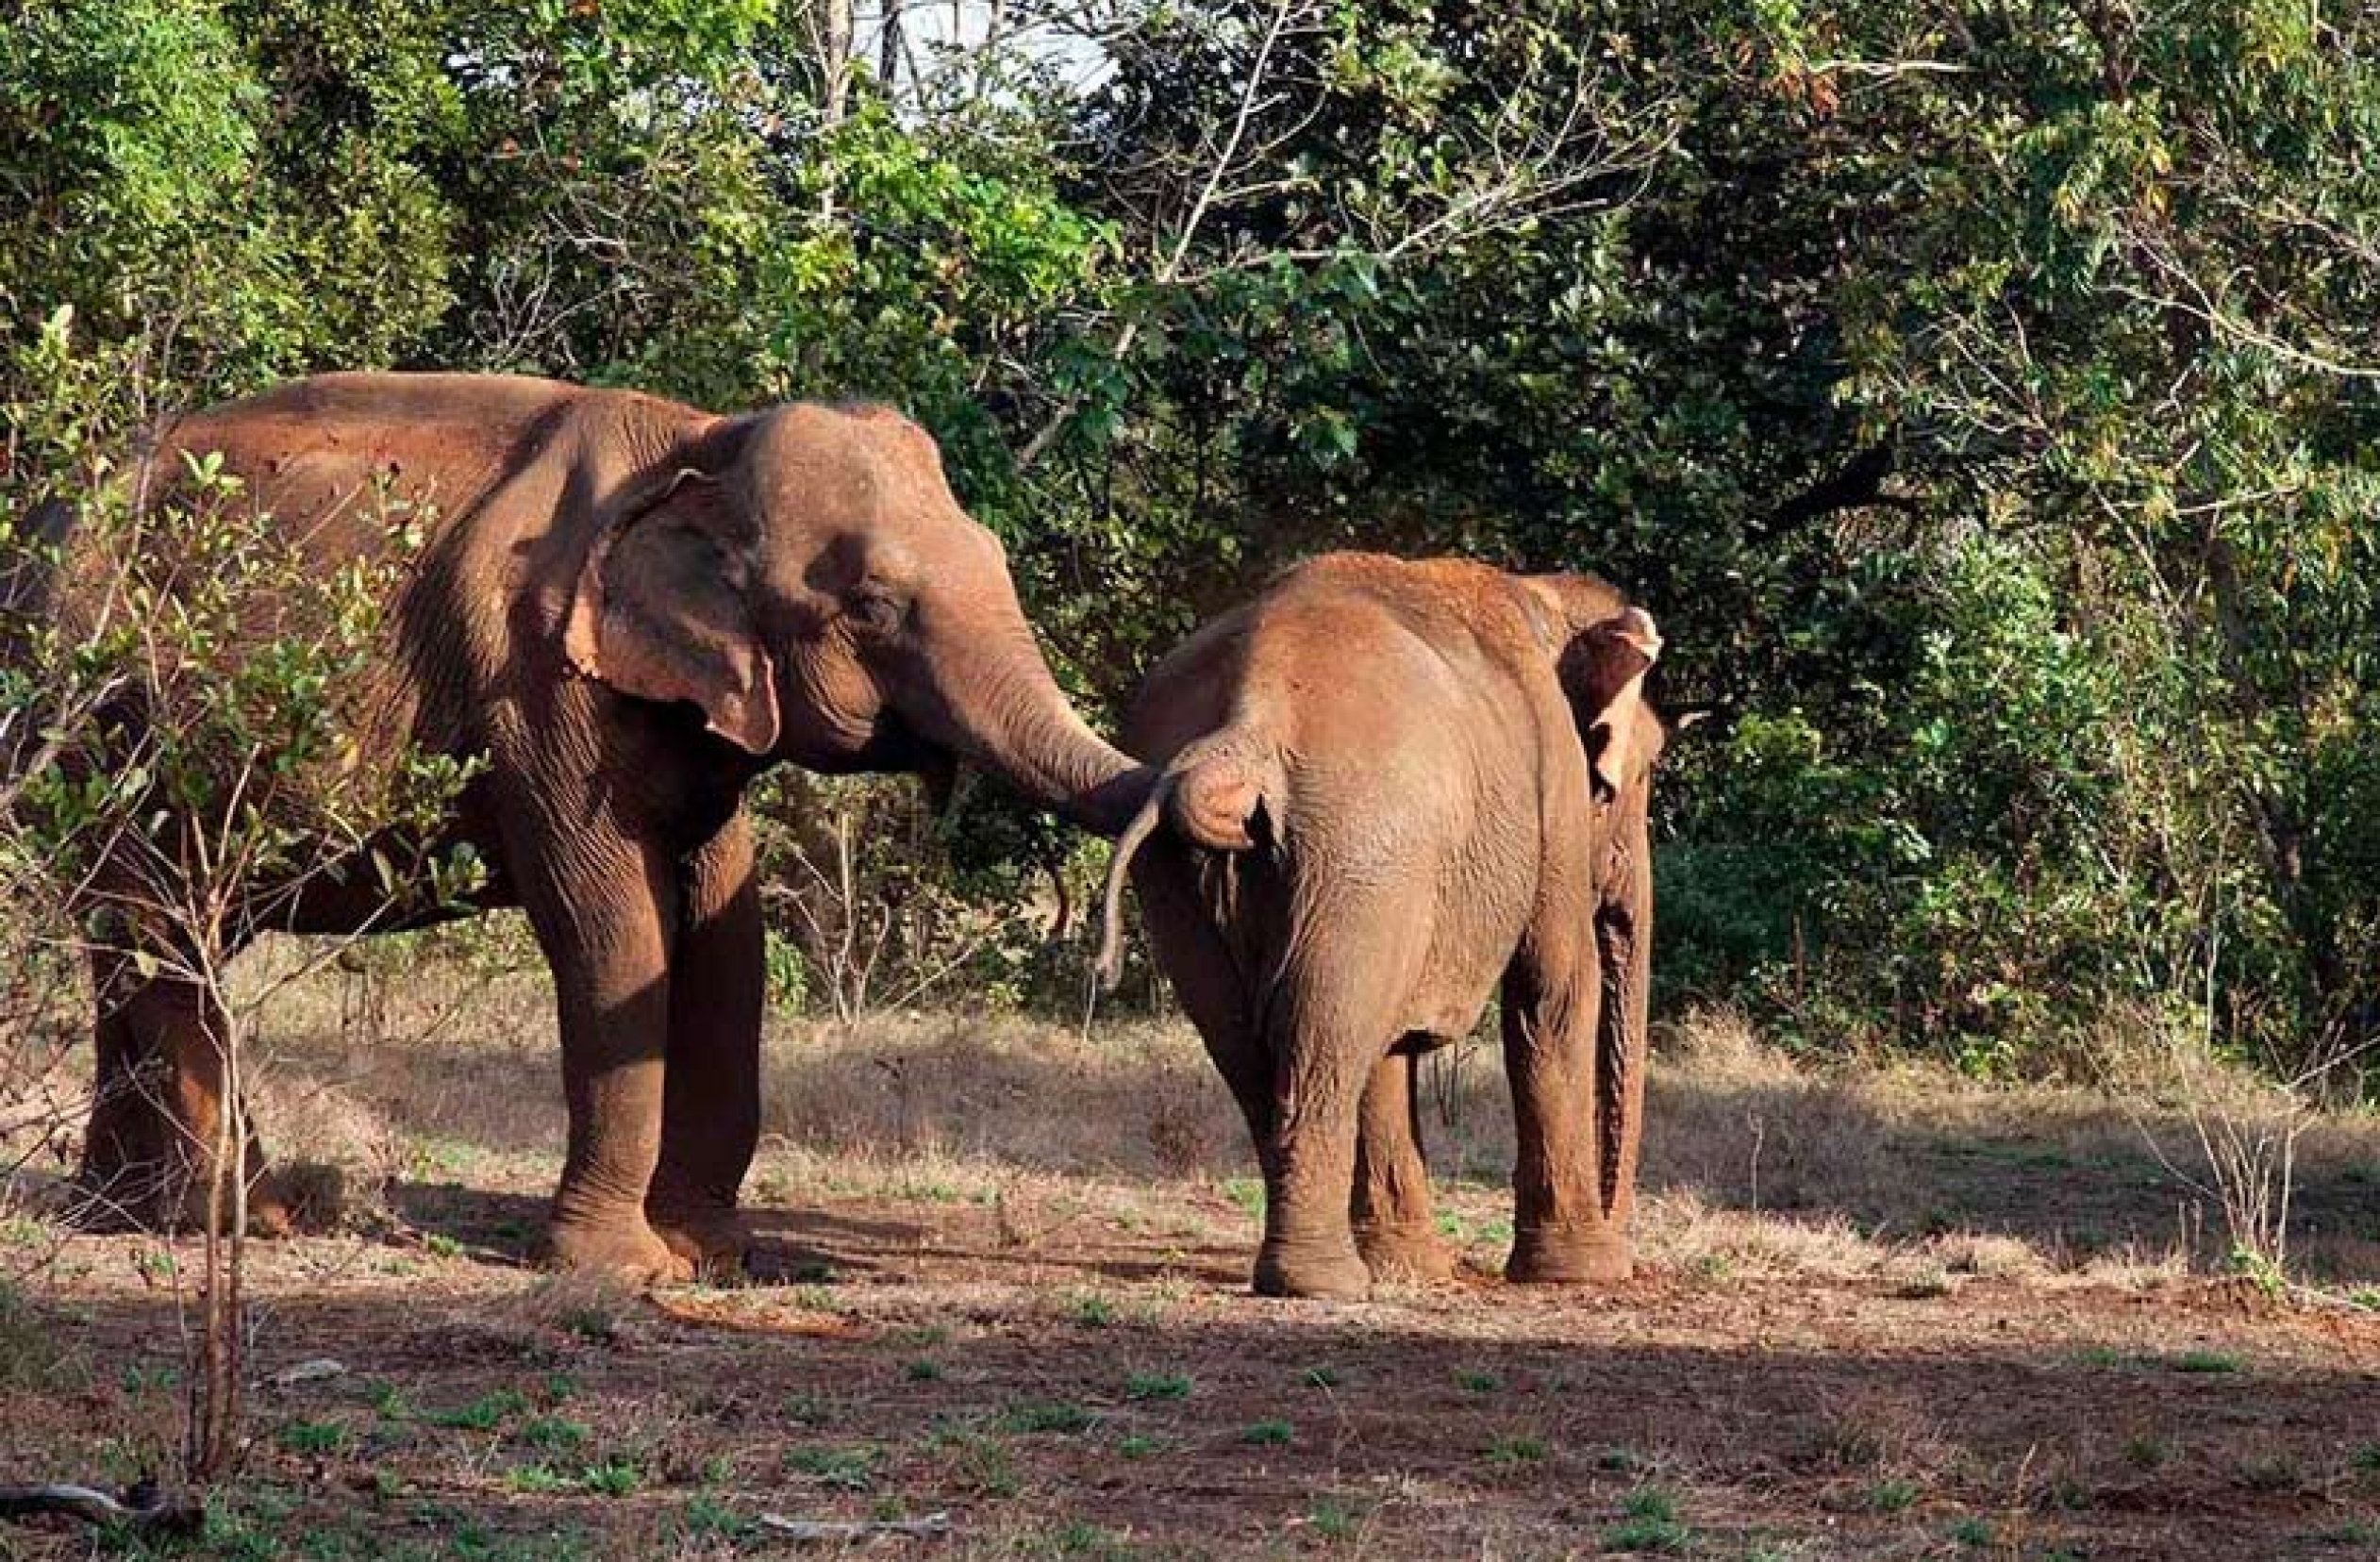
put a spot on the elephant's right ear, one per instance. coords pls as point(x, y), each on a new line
point(662, 608)
point(1602, 671)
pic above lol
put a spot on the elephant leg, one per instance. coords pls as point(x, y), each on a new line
point(602, 905)
point(157, 1108)
point(1328, 1023)
point(1210, 980)
point(710, 1100)
point(1390, 1210)
point(124, 1144)
point(1623, 947)
point(1553, 999)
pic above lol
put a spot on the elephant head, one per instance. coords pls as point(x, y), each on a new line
point(805, 579)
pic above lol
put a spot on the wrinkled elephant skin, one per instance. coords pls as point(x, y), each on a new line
point(627, 608)
point(1389, 786)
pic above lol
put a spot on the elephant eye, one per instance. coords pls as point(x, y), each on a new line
point(875, 611)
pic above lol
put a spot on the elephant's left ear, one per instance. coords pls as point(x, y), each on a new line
point(1603, 673)
point(662, 609)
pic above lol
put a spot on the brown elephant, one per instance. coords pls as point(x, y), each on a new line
point(627, 608)
point(1388, 784)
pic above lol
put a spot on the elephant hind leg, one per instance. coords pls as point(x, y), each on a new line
point(1330, 1025)
point(157, 1110)
point(1390, 1210)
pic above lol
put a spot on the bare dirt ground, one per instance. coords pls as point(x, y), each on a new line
point(1881, 1315)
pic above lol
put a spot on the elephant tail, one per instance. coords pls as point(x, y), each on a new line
point(1214, 794)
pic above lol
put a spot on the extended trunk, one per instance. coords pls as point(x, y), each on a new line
point(1009, 717)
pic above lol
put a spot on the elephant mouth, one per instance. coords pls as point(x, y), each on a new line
point(894, 748)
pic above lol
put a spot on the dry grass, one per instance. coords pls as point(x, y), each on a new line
point(1755, 1162)
point(1878, 1302)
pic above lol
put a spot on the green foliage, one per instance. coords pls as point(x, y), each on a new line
point(1984, 403)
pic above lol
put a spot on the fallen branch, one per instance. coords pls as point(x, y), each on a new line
point(144, 1506)
point(843, 1532)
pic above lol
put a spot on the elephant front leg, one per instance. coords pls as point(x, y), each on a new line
point(1390, 1211)
point(710, 1104)
point(156, 1117)
point(602, 909)
point(1564, 1232)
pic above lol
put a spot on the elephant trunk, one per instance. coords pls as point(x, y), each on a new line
point(1007, 715)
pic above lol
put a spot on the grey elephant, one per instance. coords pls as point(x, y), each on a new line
point(1389, 786)
point(628, 609)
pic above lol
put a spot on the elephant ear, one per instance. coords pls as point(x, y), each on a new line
point(663, 611)
point(1602, 671)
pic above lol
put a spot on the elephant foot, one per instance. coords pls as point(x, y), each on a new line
point(165, 1198)
point(707, 1236)
point(1404, 1253)
point(624, 1246)
point(1321, 1271)
point(1553, 1256)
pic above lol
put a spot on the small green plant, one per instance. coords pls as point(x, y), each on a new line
point(304, 1436)
point(1093, 1311)
point(1972, 1534)
point(2145, 1451)
point(1622, 1461)
point(1136, 1446)
point(2207, 1362)
point(389, 1402)
point(484, 1414)
point(1046, 1416)
point(617, 1476)
point(555, 1433)
point(1475, 1380)
point(1157, 1385)
point(535, 1479)
point(1513, 1452)
point(808, 1410)
point(1648, 1523)
point(1332, 1521)
point(2366, 1458)
point(2259, 1269)
point(707, 1518)
point(1892, 1496)
point(138, 1380)
point(1711, 1266)
point(1321, 1377)
point(439, 1245)
point(923, 1370)
point(1248, 1193)
point(1267, 1434)
point(977, 1461)
point(844, 1469)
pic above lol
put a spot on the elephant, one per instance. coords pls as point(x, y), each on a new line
point(623, 610)
point(1387, 786)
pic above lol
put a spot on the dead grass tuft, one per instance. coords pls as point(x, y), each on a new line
point(596, 1309)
